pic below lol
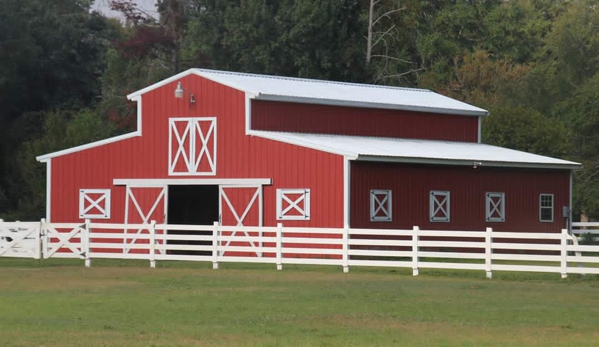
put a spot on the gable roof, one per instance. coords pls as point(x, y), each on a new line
point(419, 151)
point(301, 90)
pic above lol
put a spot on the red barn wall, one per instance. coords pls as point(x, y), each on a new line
point(324, 119)
point(238, 156)
point(411, 184)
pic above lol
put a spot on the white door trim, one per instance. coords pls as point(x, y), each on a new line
point(158, 183)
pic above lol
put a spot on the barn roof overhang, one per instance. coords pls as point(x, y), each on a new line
point(311, 91)
point(417, 151)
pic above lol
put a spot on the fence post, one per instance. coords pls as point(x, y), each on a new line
point(45, 236)
point(279, 246)
point(415, 238)
point(564, 253)
point(215, 232)
point(152, 244)
point(85, 241)
point(488, 252)
point(38, 240)
point(346, 249)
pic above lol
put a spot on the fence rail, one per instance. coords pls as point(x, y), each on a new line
point(416, 249)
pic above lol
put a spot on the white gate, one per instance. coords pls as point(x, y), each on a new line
point(64, 240)
point(20, 240)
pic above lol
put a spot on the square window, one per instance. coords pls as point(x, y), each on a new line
point(94, 203)
point(293, 204)
point(495, 207)
point(439, 206)
point(546, 207)
point(380, 205)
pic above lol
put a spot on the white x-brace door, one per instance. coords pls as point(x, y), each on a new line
point(155, 211)
point(240, 212)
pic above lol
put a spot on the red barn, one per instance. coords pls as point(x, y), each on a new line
point(249, 150)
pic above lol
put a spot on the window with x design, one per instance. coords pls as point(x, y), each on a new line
point(439, 206)
point(293, 204)
point(94, 203)
point(192, 146)
point(495, 207)
point(380, 205)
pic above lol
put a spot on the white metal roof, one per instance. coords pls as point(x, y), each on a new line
point(302, 90)
point(419, 151)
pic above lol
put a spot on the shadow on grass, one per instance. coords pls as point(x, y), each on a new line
point(355, 270)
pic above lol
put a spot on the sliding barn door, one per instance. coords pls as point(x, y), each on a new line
point(241, 206)
point(142, 206)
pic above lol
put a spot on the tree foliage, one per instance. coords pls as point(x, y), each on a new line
point(65, 72)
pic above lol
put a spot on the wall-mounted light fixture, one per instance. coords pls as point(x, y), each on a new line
point(180, 91)
point(476, 164)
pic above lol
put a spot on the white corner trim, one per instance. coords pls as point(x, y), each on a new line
point(346, 192)
point(306, 144)
point(248, 112)
point(48, 189)
point(480, 129)
point(150, 182)
point(136, 133)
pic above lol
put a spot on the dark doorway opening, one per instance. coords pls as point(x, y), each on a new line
point(194, 205)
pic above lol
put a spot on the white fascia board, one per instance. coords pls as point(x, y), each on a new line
point(45, 157)
point(151, 182)
point(157, 85)
point(460, 162)
point(197, 72)
point(333, 102)
point(137, 132)
point(306, 144)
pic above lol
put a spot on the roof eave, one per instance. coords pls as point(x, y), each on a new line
point(336, 102)
point(478, 163)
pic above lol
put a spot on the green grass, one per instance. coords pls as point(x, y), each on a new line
point(114, 303)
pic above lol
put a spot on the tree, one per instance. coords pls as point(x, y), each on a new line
point(51, 57)
point(62, 129)
point(527, 130)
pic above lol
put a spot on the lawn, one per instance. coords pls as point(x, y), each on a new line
point(62, 303)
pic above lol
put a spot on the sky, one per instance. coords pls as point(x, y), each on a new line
point(104, 7)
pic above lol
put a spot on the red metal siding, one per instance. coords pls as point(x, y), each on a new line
point(411, 184)
point(238, 156)
point(323, 119)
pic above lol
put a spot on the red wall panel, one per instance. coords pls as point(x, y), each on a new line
point(324, 119)
point(238, 156)
point(411, 184)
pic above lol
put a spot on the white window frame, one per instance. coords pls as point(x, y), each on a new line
point(541, 207)
point(282, 194)
point(382, 204)
point(435, 205)
point(491, 207)
point(193, 132)
point(94, 203)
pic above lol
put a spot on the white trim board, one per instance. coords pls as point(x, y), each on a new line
point(136, 133)
point(48, 189)
point(150, 182)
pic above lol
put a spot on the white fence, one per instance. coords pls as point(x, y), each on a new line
point(20, 240)
point(586, 228)
point(415, 249)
